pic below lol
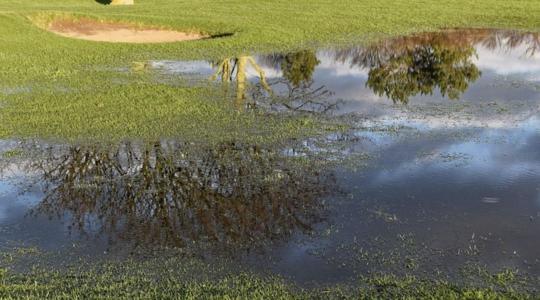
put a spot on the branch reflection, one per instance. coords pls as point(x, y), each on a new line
point(175, 194)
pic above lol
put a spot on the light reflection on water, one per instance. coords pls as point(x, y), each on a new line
point(460, 176)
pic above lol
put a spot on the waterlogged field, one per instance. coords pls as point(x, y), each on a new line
point(297, 150)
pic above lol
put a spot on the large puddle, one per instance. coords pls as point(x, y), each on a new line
point(441, 168)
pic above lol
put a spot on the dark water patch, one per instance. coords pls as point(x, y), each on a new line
point(419, 208)
point(227, 197)
point(421, 202)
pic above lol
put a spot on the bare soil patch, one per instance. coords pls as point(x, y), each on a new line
point(113, 32)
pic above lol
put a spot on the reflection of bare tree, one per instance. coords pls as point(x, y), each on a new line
point(508, 40)
point(303, 97)
point(175, 194)
point(293, 92)
point(234, 70)
point(402, 67)
point(298, 91)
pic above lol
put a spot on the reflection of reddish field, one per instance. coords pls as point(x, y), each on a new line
point(460, 40)
point(457, 38)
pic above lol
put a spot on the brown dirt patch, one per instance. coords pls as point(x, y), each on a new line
point(93, 30)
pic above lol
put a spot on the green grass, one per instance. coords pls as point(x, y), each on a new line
point(56, 87)
point(145, 110)
point(31, 273)
point(112, 283)
point(59, 88)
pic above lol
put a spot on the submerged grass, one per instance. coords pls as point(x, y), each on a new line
point(51, 86)
point(144, 110)
point(113, 283)
point(174, 274)
point(165, 273)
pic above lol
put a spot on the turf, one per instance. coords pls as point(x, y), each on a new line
point(55, 87)
point(59, 88)
point(113, 283)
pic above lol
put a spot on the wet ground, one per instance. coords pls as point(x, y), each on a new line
point(439, 169)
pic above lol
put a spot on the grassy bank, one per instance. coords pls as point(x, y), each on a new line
point(57, 87)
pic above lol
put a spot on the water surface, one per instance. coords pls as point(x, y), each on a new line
point(440, 169)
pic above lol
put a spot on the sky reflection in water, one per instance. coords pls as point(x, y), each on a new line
point(460, 176)
point(474, 65)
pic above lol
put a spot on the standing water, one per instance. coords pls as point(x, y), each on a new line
point(439, 169)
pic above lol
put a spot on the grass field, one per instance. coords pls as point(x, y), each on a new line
point(57, 87)
point(139, 281)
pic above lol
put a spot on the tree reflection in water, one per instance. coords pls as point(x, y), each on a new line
point(235, 70)
point(175, 194)
point(421, 64)
point(398, 69)
point(293, 92)
point(298, 90)
point(298, 67)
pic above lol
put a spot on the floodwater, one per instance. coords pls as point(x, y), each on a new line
point(440, 169)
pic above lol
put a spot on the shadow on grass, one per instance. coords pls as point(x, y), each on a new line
point(104, 2)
